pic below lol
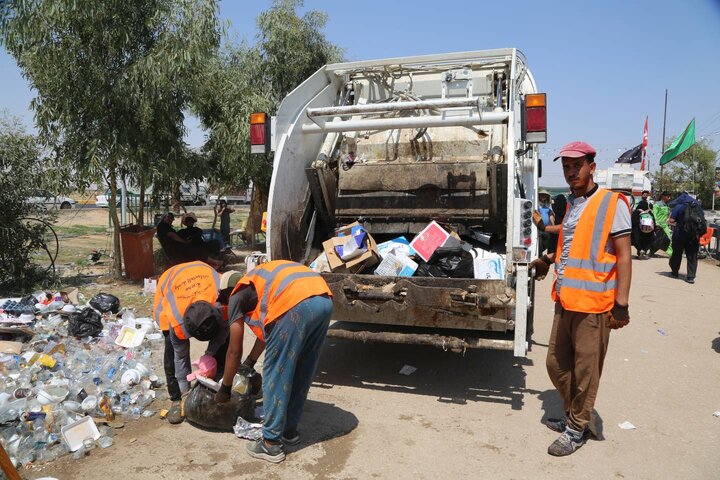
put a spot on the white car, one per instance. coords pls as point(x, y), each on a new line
point(101, 200)
point(50, 200)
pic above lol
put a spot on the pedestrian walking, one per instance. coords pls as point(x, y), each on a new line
point(591, 288)
point(688, 221)
point(288, 306)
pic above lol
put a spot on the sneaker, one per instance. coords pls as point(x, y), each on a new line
point(556, 424)
point(176, 414)
point(291, 437)
point(690, 280)
point(567, 443)
point(270, 453)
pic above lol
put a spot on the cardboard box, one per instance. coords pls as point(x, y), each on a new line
point(363, 262)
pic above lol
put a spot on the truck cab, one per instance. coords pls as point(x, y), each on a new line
point(395, 144)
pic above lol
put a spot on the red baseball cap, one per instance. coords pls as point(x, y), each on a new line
point(577, 150)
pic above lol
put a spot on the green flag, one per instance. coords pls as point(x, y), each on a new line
point(681, 143)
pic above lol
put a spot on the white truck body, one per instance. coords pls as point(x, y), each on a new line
point(397, 143)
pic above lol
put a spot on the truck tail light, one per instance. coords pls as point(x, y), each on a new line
point(535, 118)
point(259, 133)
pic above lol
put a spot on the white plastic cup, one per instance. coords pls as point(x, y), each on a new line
point(89, 403)
point(131, 377)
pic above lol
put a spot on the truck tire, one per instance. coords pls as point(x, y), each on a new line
point(65, 205)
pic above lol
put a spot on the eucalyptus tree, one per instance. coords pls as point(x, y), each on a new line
point(249, 78)
point(112, 80)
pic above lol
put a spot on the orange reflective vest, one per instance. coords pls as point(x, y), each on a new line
point(180, 286)
point(589, 281)
point(280, 285)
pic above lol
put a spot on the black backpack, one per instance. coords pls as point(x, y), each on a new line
point(694, 223)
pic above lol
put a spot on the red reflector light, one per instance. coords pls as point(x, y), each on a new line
point(535, 119)
point(527, 241)
point(257, 134)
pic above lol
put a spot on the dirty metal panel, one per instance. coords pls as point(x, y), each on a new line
point(401, 177)
point(454, 303)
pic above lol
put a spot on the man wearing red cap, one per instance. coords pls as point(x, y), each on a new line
point(592, 284)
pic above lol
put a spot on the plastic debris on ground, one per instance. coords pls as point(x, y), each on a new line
point(248, 430)
point(716, 414)
point(662, 332)
point(62, 394)
point(407, 370)
point(626, 425)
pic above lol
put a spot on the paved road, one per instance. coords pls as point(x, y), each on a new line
point(478, 415)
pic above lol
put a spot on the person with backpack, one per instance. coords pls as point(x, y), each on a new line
point(688, 221)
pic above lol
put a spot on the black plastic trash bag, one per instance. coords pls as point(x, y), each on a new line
point(105, 302)
point(454, 262)
point(660, 240)
point(85, 323)
point(202, 409)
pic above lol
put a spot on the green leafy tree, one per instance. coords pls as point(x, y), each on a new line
point(692, 171)
point(255, 78)
point(113, 79)
point(23, 225)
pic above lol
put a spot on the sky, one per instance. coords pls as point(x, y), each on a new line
point(605, 65)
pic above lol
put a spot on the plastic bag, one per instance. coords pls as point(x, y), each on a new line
point(454, 262)
point(660, 240)
point(85, 323)
point(105, 302)
point(202, 409)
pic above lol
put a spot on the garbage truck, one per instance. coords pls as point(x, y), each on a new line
point(395, 144)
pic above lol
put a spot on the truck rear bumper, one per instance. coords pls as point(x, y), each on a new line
point(452, 303)
point(453, 340)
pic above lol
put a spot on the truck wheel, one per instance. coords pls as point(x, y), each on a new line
point(65, 205)
point(201, 203)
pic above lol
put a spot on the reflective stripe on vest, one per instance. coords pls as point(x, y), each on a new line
point(589, 268)
point(169, 301)
point(270, 288)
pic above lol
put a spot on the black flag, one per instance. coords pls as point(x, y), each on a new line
point(634, 155)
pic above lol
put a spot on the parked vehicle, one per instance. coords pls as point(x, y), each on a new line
point(237, 197)
point(51, 200)
point(103, 201)
point(396, 144)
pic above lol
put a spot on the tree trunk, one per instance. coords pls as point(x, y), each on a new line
point(117, 254)
point(254, 222)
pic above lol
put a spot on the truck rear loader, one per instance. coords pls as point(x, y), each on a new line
point(395, 144)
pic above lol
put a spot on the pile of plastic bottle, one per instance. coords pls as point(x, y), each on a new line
point(56, 381)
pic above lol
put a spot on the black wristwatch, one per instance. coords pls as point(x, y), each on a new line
point(546, 259)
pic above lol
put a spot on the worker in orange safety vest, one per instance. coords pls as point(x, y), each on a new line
point(289, 307)
point(186, 305)
point(593, 268)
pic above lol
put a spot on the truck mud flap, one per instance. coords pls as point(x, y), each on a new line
point(448, 303)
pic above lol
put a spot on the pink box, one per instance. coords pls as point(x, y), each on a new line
point(428, 240)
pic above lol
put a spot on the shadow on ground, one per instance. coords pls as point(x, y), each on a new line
point(553, 408)
point(478, 375)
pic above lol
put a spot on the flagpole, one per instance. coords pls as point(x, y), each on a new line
point(662, 144)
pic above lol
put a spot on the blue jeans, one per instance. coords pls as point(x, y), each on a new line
point(291, 355)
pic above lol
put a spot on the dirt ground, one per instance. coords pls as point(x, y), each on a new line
point(475, 415)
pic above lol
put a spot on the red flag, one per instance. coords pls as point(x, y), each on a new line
point(644, 145)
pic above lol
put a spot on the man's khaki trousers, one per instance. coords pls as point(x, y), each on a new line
point(576, 352)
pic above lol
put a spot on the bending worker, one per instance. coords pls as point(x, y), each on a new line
point(288, 306)
point(592, 284)
point(186, 306)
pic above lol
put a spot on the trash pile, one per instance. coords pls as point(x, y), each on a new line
point(436, 251)
point(71, 373)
